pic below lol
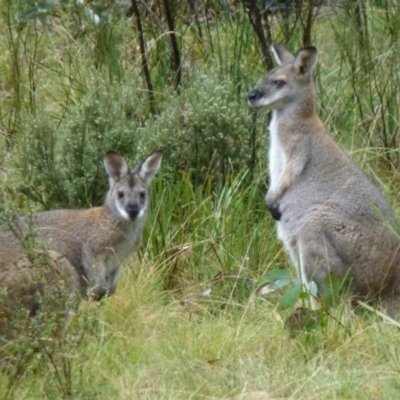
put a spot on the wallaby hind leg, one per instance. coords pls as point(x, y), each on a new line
point(323, 255)
point(331, 246)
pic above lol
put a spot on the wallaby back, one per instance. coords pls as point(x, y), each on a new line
point(330, 217)
point(91, 242)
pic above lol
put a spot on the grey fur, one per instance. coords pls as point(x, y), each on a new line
point(331, 217)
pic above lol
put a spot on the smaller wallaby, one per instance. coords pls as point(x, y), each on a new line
point(330, 217)
point(85, 247)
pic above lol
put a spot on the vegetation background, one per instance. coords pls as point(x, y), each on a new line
point(80, 78)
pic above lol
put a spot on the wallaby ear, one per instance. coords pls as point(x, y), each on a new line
point(115, 165)
point(149, 167)
point(280, 54)
point(306, 60)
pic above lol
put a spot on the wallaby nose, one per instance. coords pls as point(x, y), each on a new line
point(133, 210)
point(253, 95)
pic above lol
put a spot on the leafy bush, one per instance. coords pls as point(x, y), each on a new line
point(60, 162)
point(204, 131)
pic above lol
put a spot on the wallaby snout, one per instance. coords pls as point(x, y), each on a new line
point(330, 217)
point(133, 210)
point(92, 242)
point(254, 95)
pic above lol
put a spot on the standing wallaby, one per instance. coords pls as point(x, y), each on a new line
point(330, 217)
point(85, 247)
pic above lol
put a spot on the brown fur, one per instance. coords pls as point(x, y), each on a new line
point(82, 249)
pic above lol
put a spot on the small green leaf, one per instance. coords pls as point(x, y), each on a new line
point(276, 278)
point(313, 288)
point(292, 295)
point(269, 287)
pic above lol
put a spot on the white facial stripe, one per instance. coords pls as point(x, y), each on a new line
point(141, 213)
point(122, 212)
point(250, 103)
point(125, 215)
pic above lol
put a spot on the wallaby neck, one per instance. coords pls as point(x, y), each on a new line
point(296, 112)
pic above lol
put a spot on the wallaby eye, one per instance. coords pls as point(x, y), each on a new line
point(142, 195)
point(279, 84)
point(120, 194)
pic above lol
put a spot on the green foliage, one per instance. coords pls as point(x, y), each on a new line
point(39, 330)
point(331, 289)
point(69, 153)
point(313, 309)
point(197, 226)
point(204, 131)
point(304, 320)
point(292, 295)
point(359, 72)
point(43, 347)
point(273, 280)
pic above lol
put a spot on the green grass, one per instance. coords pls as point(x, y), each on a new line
point(185, 322)
point(148, 346)
point(149, 342)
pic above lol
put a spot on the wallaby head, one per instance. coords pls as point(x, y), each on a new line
point(289, 84)
point(128, 197)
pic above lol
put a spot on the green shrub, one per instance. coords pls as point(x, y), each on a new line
point(204, 131)
point(60, 162)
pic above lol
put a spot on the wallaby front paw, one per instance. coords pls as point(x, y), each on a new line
point(273, 206)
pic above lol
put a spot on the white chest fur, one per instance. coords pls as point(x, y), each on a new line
point(277, 157)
